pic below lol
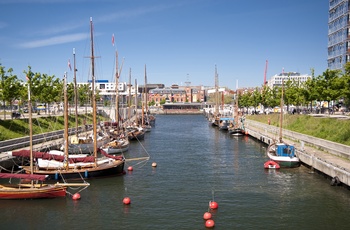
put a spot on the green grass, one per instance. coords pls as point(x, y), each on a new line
point(16, 128)
point(332, 129)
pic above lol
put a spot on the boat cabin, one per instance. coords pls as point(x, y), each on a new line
point(285, 150)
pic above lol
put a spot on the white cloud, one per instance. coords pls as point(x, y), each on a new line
point(55, 40)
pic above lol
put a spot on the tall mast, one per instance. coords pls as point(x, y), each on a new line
point(75, 95)
point(116, 90)
point(129, 98)
point(93, 98)
point(146, 91)
point(30, 124)
point(65, 117)
point(136, 119)
point(281, 115)
point(216, 92)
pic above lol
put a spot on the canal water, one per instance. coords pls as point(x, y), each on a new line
point(196, 163)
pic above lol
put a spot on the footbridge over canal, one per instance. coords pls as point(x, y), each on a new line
point(327, 157)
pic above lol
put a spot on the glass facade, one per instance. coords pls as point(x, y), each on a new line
point(338, 34)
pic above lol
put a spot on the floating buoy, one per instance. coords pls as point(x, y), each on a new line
point(246, 132)
point(130, 168)
point(213, 205)
point(126, 200)
point(154, 164)
point(207, 216)
point(209, 223)
point(76, 196)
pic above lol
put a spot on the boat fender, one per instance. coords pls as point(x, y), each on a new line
point(86, 173)
point(56, 176)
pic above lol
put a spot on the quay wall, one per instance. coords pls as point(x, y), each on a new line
point(329, 158)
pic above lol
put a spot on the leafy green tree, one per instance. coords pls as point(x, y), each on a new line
point(10, 87)
point(84, 95)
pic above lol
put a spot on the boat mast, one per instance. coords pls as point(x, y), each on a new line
point(235, 112)
point(146, 92)
point(30, 124)
point(65, 118)
point(129, 98)
point(136, 118)
point(117, 90)
point(216, 92)
point(93, 98)
point(75, 95)
point(281, 115)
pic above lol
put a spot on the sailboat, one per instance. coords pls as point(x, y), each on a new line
point(215, 120)
point(120, 142)
point(237, 126)
point(279, 151)
point(145, 121)
point(30, 185)
point(134, 131)
point(66, 166)
point(83, 143)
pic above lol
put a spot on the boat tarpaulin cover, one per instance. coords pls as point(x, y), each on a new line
point(23, 176)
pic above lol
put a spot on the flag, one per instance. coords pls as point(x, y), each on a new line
point(27, 78)
point(112, 39)
point(69, 66)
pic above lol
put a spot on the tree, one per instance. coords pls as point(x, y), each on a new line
point(10, 87)
point(329, 85)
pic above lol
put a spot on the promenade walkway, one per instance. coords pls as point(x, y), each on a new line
point(329, 158)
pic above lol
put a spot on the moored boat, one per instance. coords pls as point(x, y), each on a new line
point(281, 152)
point(270, 164)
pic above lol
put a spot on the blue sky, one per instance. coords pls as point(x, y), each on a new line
point(178, 41)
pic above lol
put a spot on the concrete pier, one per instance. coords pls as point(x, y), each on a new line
point(329, 158)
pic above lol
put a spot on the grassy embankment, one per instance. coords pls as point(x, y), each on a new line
point(16, 128)
point(332, 129)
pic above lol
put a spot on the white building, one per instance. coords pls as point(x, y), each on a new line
point(107, 89)
point(276, 80)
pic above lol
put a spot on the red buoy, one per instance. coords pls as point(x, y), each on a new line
point(213, 205)
point(126, 200)
point(270, 164)
point(130, 168)
point(207, 216)
point(209, 223)
point(76, 196)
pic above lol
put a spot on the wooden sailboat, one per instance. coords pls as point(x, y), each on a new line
point(145, 121)
point(215, 119)
point(82, 144)
point(279, 151)
point(120, 142)
point(237, 126)
point(58, 167)
point(134, 131)
point(30, 185)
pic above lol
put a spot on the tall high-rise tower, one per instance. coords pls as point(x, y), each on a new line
point(338, 34)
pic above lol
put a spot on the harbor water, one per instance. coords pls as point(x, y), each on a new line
point(196, 163)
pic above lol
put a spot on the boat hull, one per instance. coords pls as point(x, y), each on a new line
point(113, 150)
point(112, 168)
point(236, 132)
point(285, 162)
point(23, 192)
